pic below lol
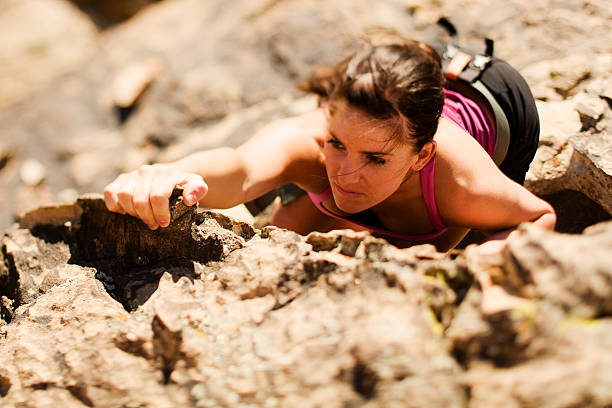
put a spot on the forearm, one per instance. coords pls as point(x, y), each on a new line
point(219, 178)
point(546, 220)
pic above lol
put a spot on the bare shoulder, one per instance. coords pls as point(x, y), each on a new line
point(470, 190)
point(461, 163)
point(287, 150)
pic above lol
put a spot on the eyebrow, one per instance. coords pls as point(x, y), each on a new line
point(364, 152)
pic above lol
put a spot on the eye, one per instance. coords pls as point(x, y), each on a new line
point(336, 144)
point(376, 160)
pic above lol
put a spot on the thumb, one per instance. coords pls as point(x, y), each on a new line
point(194, 189)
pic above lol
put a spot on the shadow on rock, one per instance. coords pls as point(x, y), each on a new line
point(125, 255)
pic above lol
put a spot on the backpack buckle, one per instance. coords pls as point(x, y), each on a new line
point(457, 64)
point(480, 61)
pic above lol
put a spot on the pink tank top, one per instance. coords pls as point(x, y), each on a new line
point(470, 117)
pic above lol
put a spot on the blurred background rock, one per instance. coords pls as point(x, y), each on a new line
point(94, 88)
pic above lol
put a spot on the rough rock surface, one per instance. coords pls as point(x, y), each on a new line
point(100, 311)
point(575, 151)
point(96, 310)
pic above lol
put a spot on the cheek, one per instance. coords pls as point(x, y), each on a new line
point(385, 177)
point(385, 182)
point(331, 158)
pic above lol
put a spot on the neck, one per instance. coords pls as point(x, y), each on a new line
point(408, 190)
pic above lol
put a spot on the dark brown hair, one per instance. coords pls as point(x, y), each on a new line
point(392, 79)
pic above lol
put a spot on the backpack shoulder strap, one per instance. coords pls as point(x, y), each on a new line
point(502, 127)
point(461, 64)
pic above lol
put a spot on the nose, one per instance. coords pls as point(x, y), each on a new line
point(348, 172)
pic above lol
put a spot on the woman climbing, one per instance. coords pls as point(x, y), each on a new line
point(396, 147)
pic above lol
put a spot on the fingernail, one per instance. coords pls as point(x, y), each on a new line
point(193, 197)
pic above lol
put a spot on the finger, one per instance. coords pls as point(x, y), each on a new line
point(111, 200)
point(194, 188)
point(141, 200)
point(159, 199)
point(125, 194)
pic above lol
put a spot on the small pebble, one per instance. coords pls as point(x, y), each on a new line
point(32, 172)
point(67, 195)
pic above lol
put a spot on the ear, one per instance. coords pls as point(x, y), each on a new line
point(425, 155)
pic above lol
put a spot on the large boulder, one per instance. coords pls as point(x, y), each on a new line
point(572, 168)
point(100, 311)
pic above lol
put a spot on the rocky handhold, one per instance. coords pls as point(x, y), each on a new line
point(101, 236)
point(575, 150)
point(591, 109)
point(580, 286)
point(88, 234)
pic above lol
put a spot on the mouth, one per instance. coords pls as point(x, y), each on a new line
point(347, 192)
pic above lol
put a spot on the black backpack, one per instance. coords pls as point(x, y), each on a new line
point(464, 66)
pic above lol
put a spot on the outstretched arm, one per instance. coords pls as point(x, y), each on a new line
point(281, 152)
point(473, 193)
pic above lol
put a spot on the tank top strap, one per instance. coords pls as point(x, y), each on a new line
point(440, 228)
point(321, 196)
point(427, 186)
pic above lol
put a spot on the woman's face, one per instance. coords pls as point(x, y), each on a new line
point(364, 165)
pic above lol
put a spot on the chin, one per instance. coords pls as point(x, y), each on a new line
point(350, 207)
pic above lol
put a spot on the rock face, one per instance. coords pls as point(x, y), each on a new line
point(96, 310)
point(100, 311)
point(575, 156)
